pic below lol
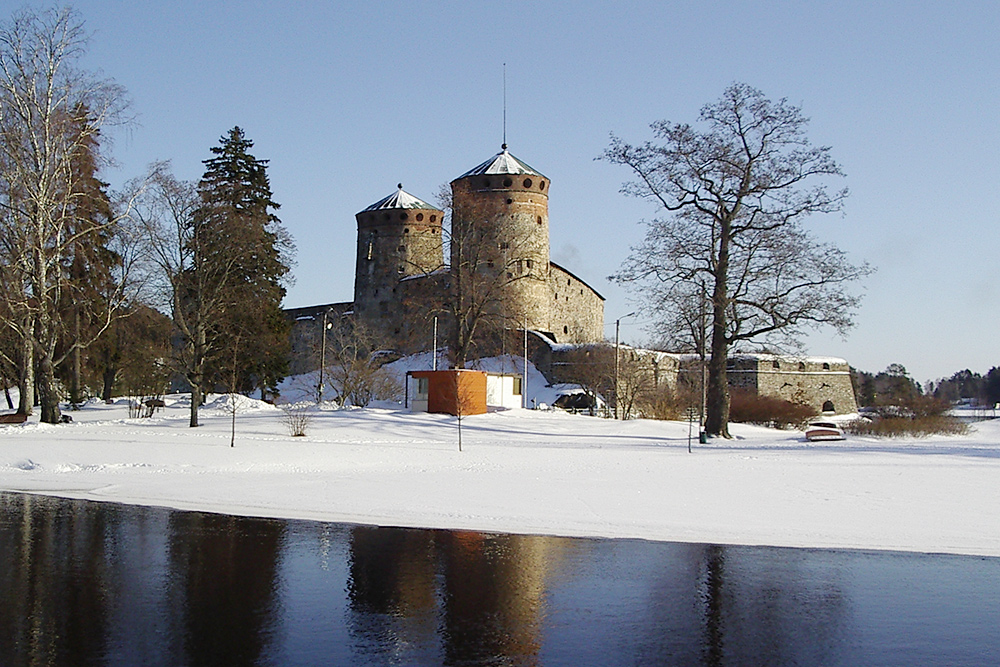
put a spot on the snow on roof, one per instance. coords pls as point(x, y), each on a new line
point(765, 356)
point(400, 199)
point(502, 163)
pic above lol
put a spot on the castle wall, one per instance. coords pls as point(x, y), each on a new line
point(576, 311)
point(820, 382)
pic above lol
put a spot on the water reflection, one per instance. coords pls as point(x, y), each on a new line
point(224, 580)
point(94, 584)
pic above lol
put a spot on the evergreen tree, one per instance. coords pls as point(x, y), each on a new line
point(89, 263)
point(235, 226)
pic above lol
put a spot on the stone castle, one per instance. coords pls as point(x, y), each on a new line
point(500, 227)
point(407, 262)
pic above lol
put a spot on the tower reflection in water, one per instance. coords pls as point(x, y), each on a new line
point(474, 596)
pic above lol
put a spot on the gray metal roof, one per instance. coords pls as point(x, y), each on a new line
point(400, 199)
point(502, 163)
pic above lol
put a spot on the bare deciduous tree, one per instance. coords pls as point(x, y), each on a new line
point(192, 289)
point(735, 195)
point(355, 365)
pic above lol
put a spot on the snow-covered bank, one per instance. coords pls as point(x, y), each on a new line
point(524, 471)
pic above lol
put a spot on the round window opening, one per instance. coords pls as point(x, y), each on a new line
point(527, 182)
point(434, 218)
point(507, 182)
point(420, 216)
point(486, 183)
point(510, 201)
point(541, 186)
point(403, 216)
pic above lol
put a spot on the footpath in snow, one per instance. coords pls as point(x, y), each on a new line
point(525, 471)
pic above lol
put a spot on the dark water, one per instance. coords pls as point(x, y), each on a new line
point(101, 584)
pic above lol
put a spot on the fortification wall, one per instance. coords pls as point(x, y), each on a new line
point(823, 383)
point(576, 313)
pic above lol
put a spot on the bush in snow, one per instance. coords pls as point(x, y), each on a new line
point(296, 418)
point(916, 416)
point(751, 408)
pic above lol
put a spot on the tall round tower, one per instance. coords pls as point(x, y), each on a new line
point(399, 236)
point(500, 220)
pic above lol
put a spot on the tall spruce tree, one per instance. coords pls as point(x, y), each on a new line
point(236, 226)
point(89, 264)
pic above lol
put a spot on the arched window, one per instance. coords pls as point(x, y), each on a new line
point(828, 406)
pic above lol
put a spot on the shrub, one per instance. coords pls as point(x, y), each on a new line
point(899, 427)
point(296, 419)
point(918, 416)
point(664, 404)
point(751, 408)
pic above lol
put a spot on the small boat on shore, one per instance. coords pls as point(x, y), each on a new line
point(824, 431)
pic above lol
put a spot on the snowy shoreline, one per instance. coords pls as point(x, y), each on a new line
point(528, 472)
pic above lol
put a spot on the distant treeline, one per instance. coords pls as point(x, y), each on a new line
point(895, 386)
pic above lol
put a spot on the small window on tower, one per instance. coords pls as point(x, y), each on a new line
point(404, 215)
point(420, 217)
point(539, 219)
point(507, 182)
point(541, 186)
point(434, 218)
point(527, 182)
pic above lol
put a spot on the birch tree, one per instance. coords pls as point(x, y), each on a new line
point(51, 112)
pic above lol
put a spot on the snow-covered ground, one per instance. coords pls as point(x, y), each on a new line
point(525, 471)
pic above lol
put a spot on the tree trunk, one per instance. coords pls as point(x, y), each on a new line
point(717, 400)
point(195, 401)
point(717, 396)
point(75, 393)
point(26, 381)
point(108, 377)
point(47, 391)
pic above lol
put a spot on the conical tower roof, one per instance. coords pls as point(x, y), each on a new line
point(400, 199)
point(502, 163)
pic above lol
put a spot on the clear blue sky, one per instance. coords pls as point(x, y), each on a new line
point(346, 100)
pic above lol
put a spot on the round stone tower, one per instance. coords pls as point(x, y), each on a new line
point(398, 237)
point(500, 220)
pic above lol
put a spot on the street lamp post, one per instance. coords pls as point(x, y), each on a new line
point(322, 356)
point(617, 331)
